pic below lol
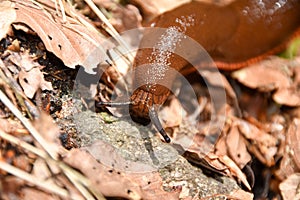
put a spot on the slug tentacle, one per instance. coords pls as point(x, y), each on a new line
point(142, 108)
point(143, 102)
point(155, 120)
point(113, 104)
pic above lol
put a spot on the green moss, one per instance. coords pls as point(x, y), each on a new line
point(293, 49)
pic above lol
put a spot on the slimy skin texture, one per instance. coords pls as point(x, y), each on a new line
point(234, 35)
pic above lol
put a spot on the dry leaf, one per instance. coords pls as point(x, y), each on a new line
point(12, 127)
point(293, 138)
point(287, 96)
point(290, 162)
point(265, 76)
point(151, 184)
point(235, 170)
point(35, 194)
point(8, 15)
point(143, 174)
point(32, 80)
point(45, 171)
point(262, 145)
point(273, 75)
point(30, 77)
point(123, 17)
point(236, 147)
point(106, 179)
point(172, 114)
point(23, 60)
point(10, 185)
point(109, 155)
point(72, 42)
point(47, 128)
point(241, 194)
point(290, 187)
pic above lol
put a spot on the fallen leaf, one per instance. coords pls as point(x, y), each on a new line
point(275, 74)
point(32, 80)
point(71, 41)
point(10, 185)
point(236, 147)
point(123, 17)
point(219, 164)
point(261, 144)
point(131, 184)
point(265, 76)
point(109, 155)
point(35, 194)
point(293, 138)
point(48, 129)
point(8, 15)
point(290, 187)
point(107, 181)
point(172, 114)
point(287, 96)
point(290, 162)
point(28, 71)
point(12, 127)
point(151, 184)
point(45, 171)
point(235, 170)
point(241, 194)
point(23, 60)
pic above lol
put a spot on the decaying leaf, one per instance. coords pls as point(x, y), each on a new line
point(71, 41)
point(235, 170)
point(108, 155)
point(241, 194)
point(265, 76)
point(290, 163)
point(33, 80)
point(107, 179)
point(29, 72)
point(10, 185)
point(23, 60)
point(271, 75)
point(262, 144)
point(236, 147)
point(290, 187)
point(49, 130)
point(32, 193)
point(44, 171)
point(8, 15)
point(173, 113)
point(12, 127)
point(123, 17)
point(293, 138)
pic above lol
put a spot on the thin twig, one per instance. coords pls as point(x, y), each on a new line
point(75, 177)
point(62, 8)
point(46, 185)
point(110, 29)
point(24, 145)
point(28, 125)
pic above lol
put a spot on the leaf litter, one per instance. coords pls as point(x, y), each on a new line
point(69, 40)
point(268, 135)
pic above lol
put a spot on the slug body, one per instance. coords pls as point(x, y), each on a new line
point(234, 35)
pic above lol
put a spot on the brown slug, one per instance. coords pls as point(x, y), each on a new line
point(234, 35)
